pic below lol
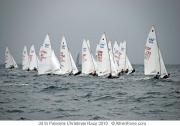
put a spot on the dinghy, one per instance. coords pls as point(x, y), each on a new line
point(124, 64)
point(25, 59)
point(103, 60)
point(88, 63)
point(9, 60)
point(122, 61)
point(48, 63)
point(74, 68)
point(67, 63)
point(113, 65)
point(153, 61)
point(33, 59)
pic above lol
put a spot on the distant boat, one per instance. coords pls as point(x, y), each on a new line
point(116, 53)
point(67, 63)
point(88, 63)
point(113, 64)
point(9, 60)
point(48, 63)
point(25, 59)
point(124, 64)
point(103, 60)
point(122, 61)
point(153, 61)
point(33, 59)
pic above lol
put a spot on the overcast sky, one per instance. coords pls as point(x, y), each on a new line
point(26, 22)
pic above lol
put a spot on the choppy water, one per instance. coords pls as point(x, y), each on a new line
point(24, 95)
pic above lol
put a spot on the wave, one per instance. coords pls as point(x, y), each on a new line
point(105, 98)
point(14, 111)
point(54, 88)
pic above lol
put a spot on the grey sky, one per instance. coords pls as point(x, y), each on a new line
point(26, 22)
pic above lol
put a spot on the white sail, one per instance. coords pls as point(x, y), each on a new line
point(113, 65)
point(88, 65)
point(122, 61)
point(44, 65)
point(9, 60)
point(65, 59)
point(74, 68)
point(25, 59)
point(33, 59)
point(163, 70)
point(128, 65)
point(116, 53)
point(103, 61)
point(153, 62)
point(94, 62)
point(55, 65)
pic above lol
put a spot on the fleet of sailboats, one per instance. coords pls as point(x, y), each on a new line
point(111, 60)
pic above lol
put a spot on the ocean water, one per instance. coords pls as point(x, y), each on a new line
point(27, 96)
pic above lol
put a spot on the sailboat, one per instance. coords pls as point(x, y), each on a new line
point(103, 60)
point(153, 61)
point(33, 59)
point(122, 60)
point(67, 63)
point(48, 63)
point(125, 65)
point(116, 53)
point(25, 59)
point(88, 63)
point(113, 64)
point(9, 60)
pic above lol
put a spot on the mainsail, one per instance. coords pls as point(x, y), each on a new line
point(113, 65)
point(103, 61)
point(25, 59)
point(33, 59)
point(122, 61)
point(9, 60)
point(67, 63)
point(116, 52)
point(153, 61)
point(47, 61)
point(128, 65)
point(88, 63)
point(65, 60)
point(74, 68)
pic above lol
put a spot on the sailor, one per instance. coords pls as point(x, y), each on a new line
point(35, 69)
point(122, 71)
point(12, 67)
point(133, 70)
point(127, 70)
point(93, 73)
point(157, 76)
point(166, 76)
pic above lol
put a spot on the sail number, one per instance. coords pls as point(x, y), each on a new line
point(147, 53)
point(99, 56)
